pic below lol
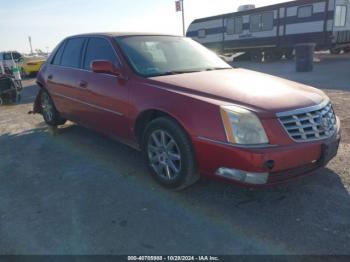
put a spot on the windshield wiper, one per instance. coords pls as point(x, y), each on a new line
point(176, 72)
point(217, 68)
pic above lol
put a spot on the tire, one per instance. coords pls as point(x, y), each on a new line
point(271, 56)
point(346, 49)
point(335, 51)
point(169, 154)
point(49, 111)
point(256, 56)
point(289, 54)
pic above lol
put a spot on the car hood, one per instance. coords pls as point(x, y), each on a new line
point(245, 87)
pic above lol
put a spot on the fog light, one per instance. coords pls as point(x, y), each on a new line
point(243, 176)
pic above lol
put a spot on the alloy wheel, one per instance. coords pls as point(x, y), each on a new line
point(46, 106)
point(164, 155)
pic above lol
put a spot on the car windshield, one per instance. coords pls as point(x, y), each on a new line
point(165, 55)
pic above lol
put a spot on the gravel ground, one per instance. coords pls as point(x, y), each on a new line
point(81, 193)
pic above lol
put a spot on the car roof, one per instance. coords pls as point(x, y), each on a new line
point(121, 34)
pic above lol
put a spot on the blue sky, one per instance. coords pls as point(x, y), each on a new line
point(49, 21)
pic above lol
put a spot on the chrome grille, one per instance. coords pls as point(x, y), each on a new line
point(312, 123)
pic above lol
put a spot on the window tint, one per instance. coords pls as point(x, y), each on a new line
point(99, 49)
point(255, 23)
point(72, 52)
point(201, 33)
point(340, 15)
point(267, 21)
point(305, 11)
point(57, 59)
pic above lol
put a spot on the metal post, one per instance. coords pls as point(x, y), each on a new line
point(30, 44)
point(183, 17)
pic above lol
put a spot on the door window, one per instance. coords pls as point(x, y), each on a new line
point(72, 53)
point(340, 15)
point(99, 49)
point(57, 59)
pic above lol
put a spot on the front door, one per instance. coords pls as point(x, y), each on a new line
point(105, 96)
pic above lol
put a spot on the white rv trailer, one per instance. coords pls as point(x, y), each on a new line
point(274, 30)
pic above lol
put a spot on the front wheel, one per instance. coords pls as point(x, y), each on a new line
point(48, 109)
point(169, 154)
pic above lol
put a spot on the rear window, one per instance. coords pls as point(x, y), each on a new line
point(72, 53)
point(99, 49)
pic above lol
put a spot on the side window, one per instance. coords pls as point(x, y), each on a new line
point(202, 33)
point(99, 49)
point(255, 23)
point(16, 55)
point(72, 52)
point(261, 22)
point(57, 59)
point(238, 25)
point(340, 15)
point(7, 56)
point(304, 11)
point(267, 21)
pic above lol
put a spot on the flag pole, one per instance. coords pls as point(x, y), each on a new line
point(183, 18)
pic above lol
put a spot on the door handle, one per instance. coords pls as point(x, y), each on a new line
point(83, 84)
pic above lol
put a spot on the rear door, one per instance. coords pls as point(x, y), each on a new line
point(62, 78)
point(105, 95)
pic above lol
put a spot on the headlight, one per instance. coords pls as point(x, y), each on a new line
point(242, 126)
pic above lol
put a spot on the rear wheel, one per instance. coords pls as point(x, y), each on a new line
point(169, 154)
point(256, 56)
point(289, 54)
point(346, 49)
point(48, 109)
point(335, 51)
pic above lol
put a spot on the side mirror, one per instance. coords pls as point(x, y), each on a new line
point(105, 67)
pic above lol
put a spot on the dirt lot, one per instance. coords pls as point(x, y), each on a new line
point(81, 193)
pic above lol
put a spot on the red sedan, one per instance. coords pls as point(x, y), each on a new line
point(189, 112)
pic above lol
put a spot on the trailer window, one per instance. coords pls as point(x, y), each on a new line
point(255, 23)
point(261, 22)
point(234, 25)
point(201, 33)
point(304, 11)
point(267, 21)
point(238, 25)
point(340, 15)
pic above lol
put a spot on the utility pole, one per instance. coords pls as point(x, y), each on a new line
point(183, 17)
point(30, 44)
point(180, 7)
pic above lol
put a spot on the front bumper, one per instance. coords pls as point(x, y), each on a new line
point(278, 164)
